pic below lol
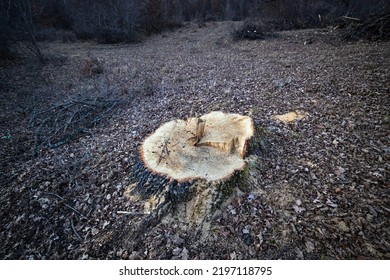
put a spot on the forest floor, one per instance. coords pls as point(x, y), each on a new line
point(320, 191)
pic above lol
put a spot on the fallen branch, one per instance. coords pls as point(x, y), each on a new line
point(67, 205)
point(68, 121)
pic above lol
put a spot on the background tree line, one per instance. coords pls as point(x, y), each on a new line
point(24, 22)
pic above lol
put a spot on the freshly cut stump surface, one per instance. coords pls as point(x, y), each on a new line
point(211, 147)
point(193, 164)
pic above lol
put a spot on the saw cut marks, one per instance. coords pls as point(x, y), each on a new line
point(211, 147)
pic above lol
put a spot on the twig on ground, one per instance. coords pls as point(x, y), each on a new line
point(131, 213)
point(67, 205)
point(352, 18)
point(67, 121)
point(74, 230)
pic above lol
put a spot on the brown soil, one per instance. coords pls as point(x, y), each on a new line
point(319, 191)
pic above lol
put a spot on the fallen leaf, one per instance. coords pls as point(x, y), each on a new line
point(342, 226)
point(176, 251)
point(184, 254)
point(299, 253)
point(260, 236)
point(331, 203)
point(309, 246)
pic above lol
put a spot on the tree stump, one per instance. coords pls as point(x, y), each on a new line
point(192, 165)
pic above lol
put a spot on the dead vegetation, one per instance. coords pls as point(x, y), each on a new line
point(65, 122)
point(318, 191)
point(91, 67)
point(252, 30)
point(373, 28)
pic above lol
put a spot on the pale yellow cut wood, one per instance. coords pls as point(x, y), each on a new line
point(290, 117)
point(211, 147)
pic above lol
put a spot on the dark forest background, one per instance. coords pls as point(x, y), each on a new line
point(25, 22)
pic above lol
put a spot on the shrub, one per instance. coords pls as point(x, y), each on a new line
point(372, 28)
point(252, 30)
point(91, 67)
